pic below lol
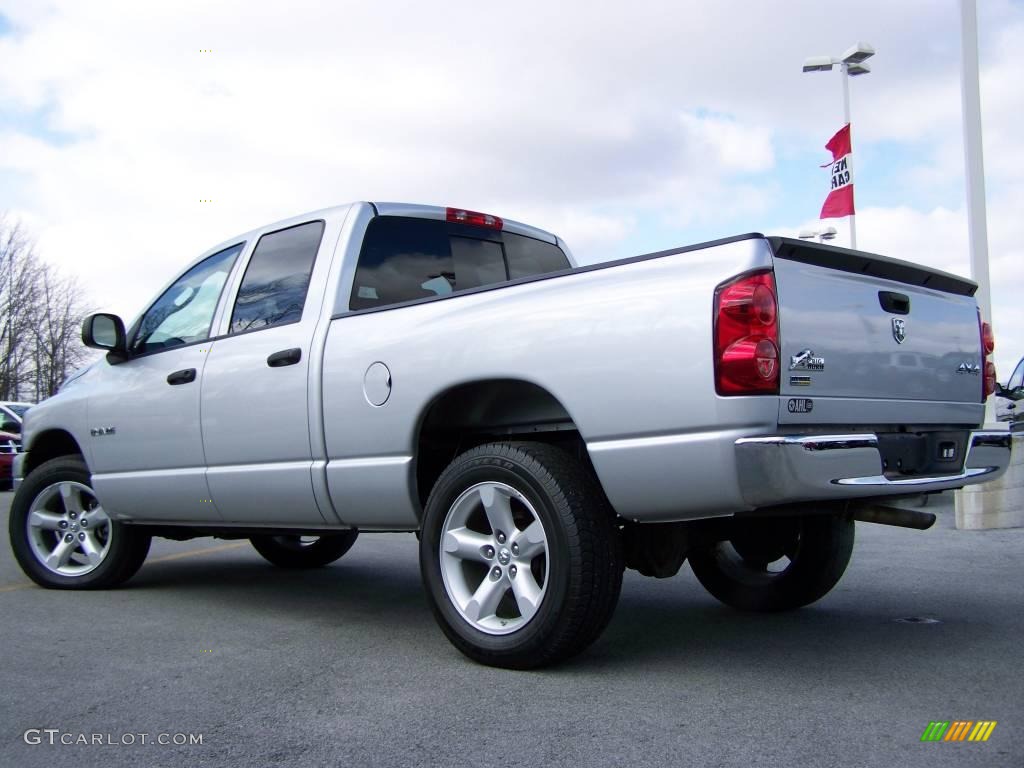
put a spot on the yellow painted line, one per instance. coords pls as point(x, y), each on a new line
point(14, 587)
point(164, 559)
point(195, 552)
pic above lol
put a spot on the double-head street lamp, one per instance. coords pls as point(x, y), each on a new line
point(851, 64)
point(823, 234)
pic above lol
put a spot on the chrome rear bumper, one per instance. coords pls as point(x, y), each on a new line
point(792, 468)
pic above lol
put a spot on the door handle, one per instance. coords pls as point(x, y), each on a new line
point(284, 357)
point(186, 376)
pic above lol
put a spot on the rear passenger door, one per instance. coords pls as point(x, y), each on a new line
point(255, 415)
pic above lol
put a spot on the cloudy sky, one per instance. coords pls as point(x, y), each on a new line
point(624, 127)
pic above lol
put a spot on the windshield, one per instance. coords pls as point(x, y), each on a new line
point(18, 410)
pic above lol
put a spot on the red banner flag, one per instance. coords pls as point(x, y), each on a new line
point(840, 199)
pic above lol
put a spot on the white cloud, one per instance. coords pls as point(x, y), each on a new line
point(594, 120)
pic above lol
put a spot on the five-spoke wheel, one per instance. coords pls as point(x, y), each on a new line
point(61, 535)
point(69, 532)
point(494, 557)
point(520, 555)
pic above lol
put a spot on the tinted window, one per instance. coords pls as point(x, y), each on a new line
point(404, 259)
point(527, 256)
point(19, 410)
point(276, 280)
point(1017, 379)
point(184, 312)
point(477, 262)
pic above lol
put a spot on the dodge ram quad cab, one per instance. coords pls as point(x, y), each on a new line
point(540, 425)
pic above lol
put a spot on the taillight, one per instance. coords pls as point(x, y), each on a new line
point(473, 218)
point(988, 346)
point(747, 336)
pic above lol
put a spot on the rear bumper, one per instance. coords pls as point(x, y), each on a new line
point(785, 469)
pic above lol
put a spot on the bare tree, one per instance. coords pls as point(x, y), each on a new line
point(40, 315)
point(57, 347)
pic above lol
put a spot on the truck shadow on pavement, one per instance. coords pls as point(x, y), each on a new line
point(670, 625)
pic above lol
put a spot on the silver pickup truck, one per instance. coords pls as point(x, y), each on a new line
point(540, 425)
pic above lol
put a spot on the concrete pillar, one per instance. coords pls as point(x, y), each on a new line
point(999, 504)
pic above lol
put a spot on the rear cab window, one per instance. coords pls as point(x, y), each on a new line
point(407, 259)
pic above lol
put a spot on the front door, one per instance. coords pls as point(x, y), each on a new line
point(145, 444)
point(254, 389)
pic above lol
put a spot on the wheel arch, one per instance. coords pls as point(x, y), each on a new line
point(50, 444)
point(472, 413)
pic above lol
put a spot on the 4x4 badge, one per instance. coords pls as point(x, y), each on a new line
point(899, 329)
point(806, 361)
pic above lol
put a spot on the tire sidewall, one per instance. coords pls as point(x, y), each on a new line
point(326, 550)
point(64, 469)
point(824, 552)
point(454, 481)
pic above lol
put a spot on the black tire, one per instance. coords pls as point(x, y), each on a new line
point(736, 571)
point(583, 557)
point(293, 552)
point(123, 557)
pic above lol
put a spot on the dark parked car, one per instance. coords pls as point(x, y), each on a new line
point(10, 445)
point(1009, 396)
point(11, 416)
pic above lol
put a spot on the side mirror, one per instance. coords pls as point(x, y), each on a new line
point(106, 331)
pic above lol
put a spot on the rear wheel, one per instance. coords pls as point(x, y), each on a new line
point(776, 564)
point(61, 535)
point(520, 555)
point(304, 551)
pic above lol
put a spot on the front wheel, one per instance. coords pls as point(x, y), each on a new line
point(63, 538)
point(304, 551)
point(776, 564)
point(520, 555)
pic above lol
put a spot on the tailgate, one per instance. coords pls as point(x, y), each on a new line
point(858, 327)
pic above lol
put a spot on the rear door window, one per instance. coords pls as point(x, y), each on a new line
point(405, 259)
point(273, 291)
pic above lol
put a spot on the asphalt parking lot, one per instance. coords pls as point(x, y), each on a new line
point(345, 666)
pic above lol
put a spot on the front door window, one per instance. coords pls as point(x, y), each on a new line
point(184, 313)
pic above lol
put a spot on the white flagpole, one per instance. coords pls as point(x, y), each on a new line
point(974, 161)
point(974, 507)
point(846, 120)
point(974, 164)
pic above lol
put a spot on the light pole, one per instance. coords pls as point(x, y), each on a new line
point(851, 64)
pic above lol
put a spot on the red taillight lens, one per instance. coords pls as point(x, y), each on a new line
point(988, 346)
point(474, 218)
point(990, 379)
point(747, 336)
point(988, 340)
